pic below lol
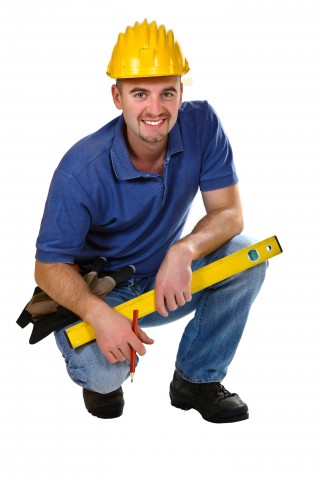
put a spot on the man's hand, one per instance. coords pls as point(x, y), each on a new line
point(173, 281)
point(113, 331)
point(222, 222)
point(114, 336)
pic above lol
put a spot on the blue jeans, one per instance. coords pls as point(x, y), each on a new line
point(209, 341)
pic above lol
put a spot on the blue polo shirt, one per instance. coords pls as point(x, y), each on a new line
point(99, 204)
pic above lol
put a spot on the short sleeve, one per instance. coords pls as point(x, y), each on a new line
point(65, 222)
point(217, 169)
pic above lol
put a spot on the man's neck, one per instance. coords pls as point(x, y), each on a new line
point(153, 164)
point(148, 157)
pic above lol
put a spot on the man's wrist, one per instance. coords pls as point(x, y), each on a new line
point(184, 249)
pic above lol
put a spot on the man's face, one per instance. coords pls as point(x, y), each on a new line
point(150, 106)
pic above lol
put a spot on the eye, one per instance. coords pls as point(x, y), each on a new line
point(168, 94)
point(140, 95)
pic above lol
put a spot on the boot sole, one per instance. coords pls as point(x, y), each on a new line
point(217, 418)
point(106, 415)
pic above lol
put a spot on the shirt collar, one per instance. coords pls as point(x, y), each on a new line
point(120, 158)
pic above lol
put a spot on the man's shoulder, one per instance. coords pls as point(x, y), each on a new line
point(198, 113)
point(195, 106)
point(200, 109)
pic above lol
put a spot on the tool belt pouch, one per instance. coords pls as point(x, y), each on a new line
point(46, 315)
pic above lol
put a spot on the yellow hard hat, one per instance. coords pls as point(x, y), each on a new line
point(146, 50)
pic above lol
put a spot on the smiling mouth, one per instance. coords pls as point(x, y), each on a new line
point(153, 123)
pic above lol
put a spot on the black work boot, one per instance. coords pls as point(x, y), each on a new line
point(212, 400)
point(104, 405)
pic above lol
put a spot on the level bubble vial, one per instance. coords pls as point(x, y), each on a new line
point(253, 255)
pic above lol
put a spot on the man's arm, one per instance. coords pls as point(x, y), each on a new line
point(113, 331)
point(223, 221)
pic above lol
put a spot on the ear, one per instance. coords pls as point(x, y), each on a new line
point(116, 97)
point(181, 93)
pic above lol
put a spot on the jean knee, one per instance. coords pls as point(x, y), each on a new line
point(101, 381)
point(258, 272)
point(90, 369)
point(241, 241)
point(254, 277)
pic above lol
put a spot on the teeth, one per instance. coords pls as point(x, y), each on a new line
point(149, 122)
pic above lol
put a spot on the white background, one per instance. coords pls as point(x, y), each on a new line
point(257, 62)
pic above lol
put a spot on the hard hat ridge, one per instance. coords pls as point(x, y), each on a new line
point(146, 50)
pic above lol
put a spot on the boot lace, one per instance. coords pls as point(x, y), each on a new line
point(219, 390)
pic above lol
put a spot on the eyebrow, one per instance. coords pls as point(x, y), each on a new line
point(137, 89)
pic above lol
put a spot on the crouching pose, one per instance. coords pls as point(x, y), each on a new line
point(124, 192)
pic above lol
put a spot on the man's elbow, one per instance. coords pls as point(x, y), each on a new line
point(238, 223)
point(41, 269)
point(38, 272)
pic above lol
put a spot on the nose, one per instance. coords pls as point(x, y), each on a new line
point(154, 107)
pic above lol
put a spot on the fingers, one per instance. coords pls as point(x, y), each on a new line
point(119, 353)
point(171, 301)
point(144, 337)
point(137, 345)
point(115, 356)
point(161, 304)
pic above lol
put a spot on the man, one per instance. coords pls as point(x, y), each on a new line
point(124, 193)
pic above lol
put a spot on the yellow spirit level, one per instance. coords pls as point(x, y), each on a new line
point(215, 272)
